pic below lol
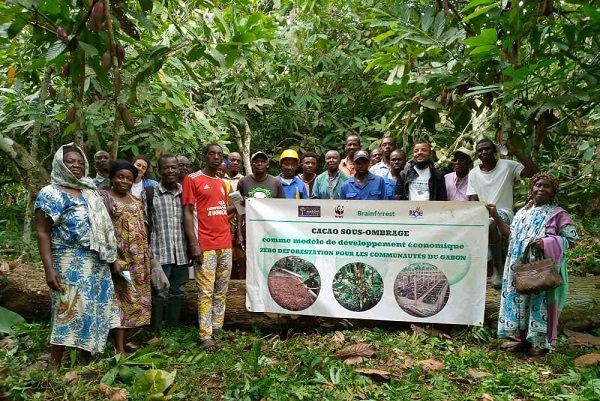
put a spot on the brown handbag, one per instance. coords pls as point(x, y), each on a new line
point(537, 276)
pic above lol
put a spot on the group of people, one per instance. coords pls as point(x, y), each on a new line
point(104, 241)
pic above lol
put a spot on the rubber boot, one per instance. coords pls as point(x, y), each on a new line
point(173, 312)
point(157, 314)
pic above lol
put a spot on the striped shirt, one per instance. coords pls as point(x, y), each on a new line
point(167, 239)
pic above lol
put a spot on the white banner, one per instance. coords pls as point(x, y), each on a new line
point(382, 260)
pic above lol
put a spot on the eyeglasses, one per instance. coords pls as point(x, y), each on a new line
point(460, 161)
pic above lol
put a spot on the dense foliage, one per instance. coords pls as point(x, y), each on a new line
point(170, 76)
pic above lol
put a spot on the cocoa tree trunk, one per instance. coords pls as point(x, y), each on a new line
point(25, 292)
point(35, 136)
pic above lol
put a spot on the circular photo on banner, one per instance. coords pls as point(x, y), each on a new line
point(294, 283)
point(357, 286)
point(421, 289)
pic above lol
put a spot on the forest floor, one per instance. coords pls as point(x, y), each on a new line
point(459, 363)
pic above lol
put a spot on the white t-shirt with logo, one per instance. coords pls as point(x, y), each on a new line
point(496, 186)
point(418, 190)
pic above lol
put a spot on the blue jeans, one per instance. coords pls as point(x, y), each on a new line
point(177, 276)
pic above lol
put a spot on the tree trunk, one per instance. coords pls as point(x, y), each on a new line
point(35, 136)
point(243, 141)
point(26, 293)
point(37, 176)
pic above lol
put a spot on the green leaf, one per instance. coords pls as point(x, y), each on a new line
point(483, 49)
point(421, 39)
point(478, 90)
point(8, 319)
point(55, 50)
point(430, 104)
point(487, 37)
point(384, 36)
point(196, 52)
point(88, 49)
point(427, 19)
point(96, 106)
point(17, 25)
point(474, 4)
point(439, 23)
point(146, 5)
point(479, 12)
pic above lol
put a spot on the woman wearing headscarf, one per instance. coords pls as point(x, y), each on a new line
point(132, 266)
point(533, 319)
point(76, 241)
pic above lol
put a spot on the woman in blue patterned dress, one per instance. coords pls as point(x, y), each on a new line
point(533, 319)
point(76, 242)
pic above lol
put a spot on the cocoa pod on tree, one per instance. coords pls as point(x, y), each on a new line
point(51, 90)
point(106, 60)
point(120, 53)
point(62, 34)
point(71, 114)
point(66, 69)
point(96, 16)
point(127, 118)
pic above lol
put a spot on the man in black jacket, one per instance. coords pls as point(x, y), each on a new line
point(421, 180)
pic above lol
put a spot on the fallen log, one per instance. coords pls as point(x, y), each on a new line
point(24, 290)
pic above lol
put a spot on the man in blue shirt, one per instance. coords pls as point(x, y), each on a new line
point(293, 186)
point(363, 185)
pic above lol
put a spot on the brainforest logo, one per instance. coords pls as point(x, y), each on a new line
point(416, 213)
point(309, 211)
point(339, 211)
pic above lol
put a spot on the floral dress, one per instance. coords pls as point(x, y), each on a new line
point(133, 256)
point(87, 309)
point(530, 313)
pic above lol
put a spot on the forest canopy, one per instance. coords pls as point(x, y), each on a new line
point(170, 76)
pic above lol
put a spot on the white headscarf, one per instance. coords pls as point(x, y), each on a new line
point(102, 232)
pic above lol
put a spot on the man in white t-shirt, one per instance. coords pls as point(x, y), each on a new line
point(421, 181)
point(492, 182)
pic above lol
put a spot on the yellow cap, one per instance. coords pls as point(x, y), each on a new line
point(289, 154)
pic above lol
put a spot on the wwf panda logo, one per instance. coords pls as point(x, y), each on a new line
point(339, 211)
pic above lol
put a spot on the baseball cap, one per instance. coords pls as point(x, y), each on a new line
point(361, 154)
point(259, 153)
point(463, 150)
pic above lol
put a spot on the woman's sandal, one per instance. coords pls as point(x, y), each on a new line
point(515, 347)
point(209, 345)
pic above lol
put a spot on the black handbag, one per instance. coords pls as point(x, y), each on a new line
point(537, 276)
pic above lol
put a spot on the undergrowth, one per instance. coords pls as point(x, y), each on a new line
point(463, 364)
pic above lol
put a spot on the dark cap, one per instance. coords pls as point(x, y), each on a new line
point(259, 153)
point(361, 154)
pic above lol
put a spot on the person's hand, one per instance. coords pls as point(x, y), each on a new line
point(116, 271)
point(511, 149)
point(240, 242)
point(53, 280)
point(538, 244)
point(158, 278)
point(196, 254)
point(491, 209)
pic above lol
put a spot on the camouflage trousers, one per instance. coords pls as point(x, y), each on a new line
point(212, 280)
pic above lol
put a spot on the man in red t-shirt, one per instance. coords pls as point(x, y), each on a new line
point(211, 245)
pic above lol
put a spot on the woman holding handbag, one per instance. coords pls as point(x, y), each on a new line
point(533, 319)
